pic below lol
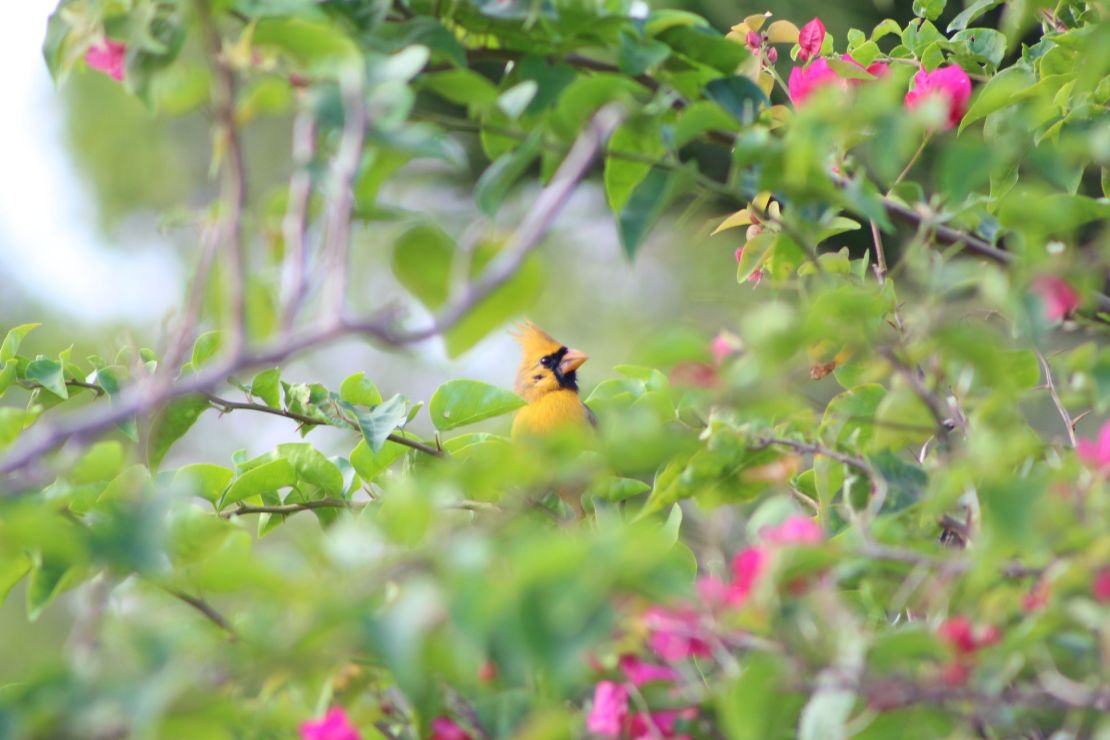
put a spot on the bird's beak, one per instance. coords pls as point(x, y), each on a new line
point(572, 360)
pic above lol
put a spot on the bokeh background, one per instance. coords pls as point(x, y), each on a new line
point(97, 239)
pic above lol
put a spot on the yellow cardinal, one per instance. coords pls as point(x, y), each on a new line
point(547, 380)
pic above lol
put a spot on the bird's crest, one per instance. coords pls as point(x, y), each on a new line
point(534, 341)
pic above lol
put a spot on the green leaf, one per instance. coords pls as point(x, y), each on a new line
point(644, 207)
point(12, 422)
point(902, 419)
point(970, 13)
point(998, 93)
point(756, 251)
point(493, 185)
point(461, 86)
point(754, 705)
point(12, 570)
point(930, 9)
point(45, 583)
point(739, 96)
point(885, 28)
point(100, 462)
point(204, 480)
point(311, 466)
point(638, 55)
point(662, 19)
point(640, 138)
point(514, 101)
point(265, 478)
point(706, 46)
point(461, 402)
point(379, 422)
point(849, 417)
point(369, 464)
point(48, 374)
point(319, 46)
point(12, 340)
point(360, 390)
point(986, 44)
point(266, 385)
point(617, 489)
point(171, 424)
point(422, 262)
point(699, 118)
point(205, 348)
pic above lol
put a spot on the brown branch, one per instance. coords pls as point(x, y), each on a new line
point(295, 224)
point(337, 234)
point(944, 418)
point(206, 609)
point(283, 509)
point(226, 405)
point(143, 398)
point(1050, 385)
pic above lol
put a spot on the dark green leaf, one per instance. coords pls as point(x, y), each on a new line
point(638, 55)
point(970, 13)
point(422, 262)
point(494, 183)
point(622, 174)
point(644, 207)
point(739, 96)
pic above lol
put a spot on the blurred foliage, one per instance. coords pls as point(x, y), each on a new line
point(883, 434)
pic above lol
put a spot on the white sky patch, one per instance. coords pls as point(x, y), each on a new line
point(48, 236)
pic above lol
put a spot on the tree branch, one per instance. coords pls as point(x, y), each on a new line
point(204, 608)
point(1050, 385)
point(226, 405)
point(144, 397)
point(295, 224)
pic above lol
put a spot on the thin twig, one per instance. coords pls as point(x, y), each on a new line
point(206, 609)
point(337, 233)
point(880, 253)
point(295, 224)
point(226, 405)
point(1050, 385)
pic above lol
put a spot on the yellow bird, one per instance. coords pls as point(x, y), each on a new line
point(547, 379)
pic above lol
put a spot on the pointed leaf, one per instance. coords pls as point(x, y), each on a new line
point(461, 402)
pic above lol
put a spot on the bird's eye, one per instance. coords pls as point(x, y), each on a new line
point(547, 361)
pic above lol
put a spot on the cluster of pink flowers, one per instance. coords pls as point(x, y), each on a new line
point(108, 57)
point(949, 83)
point(678, 633)
point(965, 640)
point(757, 44)
point(1059, 298)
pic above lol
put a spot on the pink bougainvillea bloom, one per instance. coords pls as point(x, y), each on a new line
point(805, 81)
point(797, 530)
point(754, 41)
point(610, 708)
point(713, 591)
point(675, 633)
point(747, 566)
point(109, 58)
point(1101, 587)
point(951, 83)
point(772, 54)
point(958, 633)
point(1096, 452)
point(639, 672)
point(721, 347)
point(1059, 298)
point(332, 726)
point(444, 728)
point(810, 39)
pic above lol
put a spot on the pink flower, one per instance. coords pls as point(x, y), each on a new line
point(713, 591)
point(810, 39)
point(805, 81)
point(1059, 298)
point(747, 566)
point(756, 275)
point(772, 54)
point(957, 632)
point(638, 672)
point(610, 708)
point(754, 41)
point(721, 347)
point(333, 726)
point(950, 83)
point(663, 723)
point(1101, 586)
point(444, 728)
point(109, 58)
point(1096, 453)
point(675, 633)
point(797, 530)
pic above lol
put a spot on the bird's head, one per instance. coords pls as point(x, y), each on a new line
point(546, 365)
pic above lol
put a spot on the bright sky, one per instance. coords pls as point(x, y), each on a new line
point(48, 238)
